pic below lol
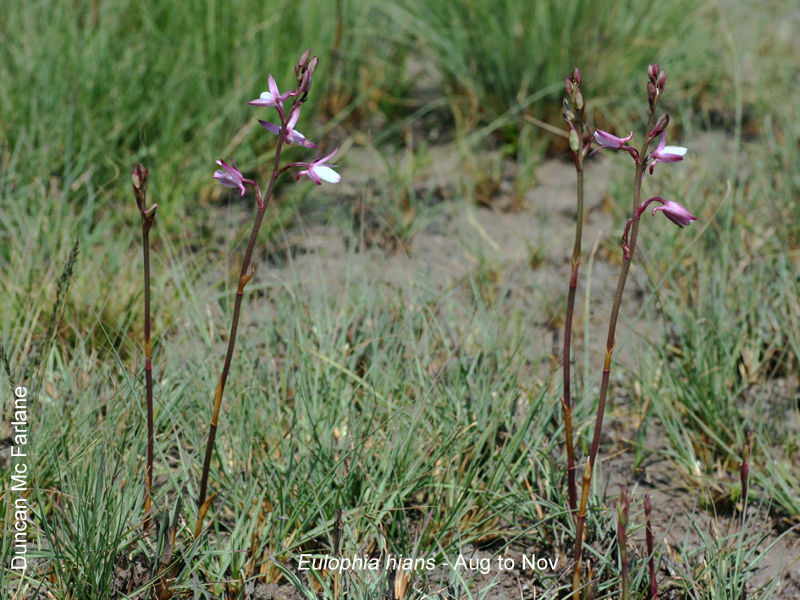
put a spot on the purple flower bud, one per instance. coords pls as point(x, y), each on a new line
point(576, 76)
point(302, 63)
point(651, 93)
point(568, 86)
point(566, 112)
point(652, 72)
point(574, 140)
point(578, 99)
point(661, 125)
point(675, 213)
point(139, 178)
point(305, 84)
point(139, 182)
point(662, 79)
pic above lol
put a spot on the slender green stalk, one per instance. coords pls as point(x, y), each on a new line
point(139, 178)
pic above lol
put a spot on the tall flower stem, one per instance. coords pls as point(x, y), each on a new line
point(245, 274)
point(622, 539)
point(744, 471)
point(565, 361)
point(651, 559)
point(579, 143)
point(139, 179)
point(628, 251)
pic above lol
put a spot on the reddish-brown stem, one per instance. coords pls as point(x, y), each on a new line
point(139, 177)
point(148, 373)
point(650, 549)
point(574, 114)
point(245, 274)
point(576, 572)
point(744, 472)
point(622, 540)
point(565, 361)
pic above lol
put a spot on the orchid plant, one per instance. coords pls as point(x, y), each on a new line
point(644, 161)
point(288, 106)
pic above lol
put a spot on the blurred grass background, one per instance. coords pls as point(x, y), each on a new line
point(91, 87)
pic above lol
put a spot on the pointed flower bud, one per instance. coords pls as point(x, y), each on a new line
point(303, 62)
point(578, 100)
point(139, 182)
point(566, 111)
point(661, 125)
point(574, 142)
point(652, 93)
point(305, 84)
point(139, 179)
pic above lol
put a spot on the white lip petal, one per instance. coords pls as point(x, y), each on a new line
point(327, 174)
point(678, 150)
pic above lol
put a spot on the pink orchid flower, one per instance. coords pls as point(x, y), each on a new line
point(272, 97)
point(231, 176)
point(665, 154)
point(608, 140)
point(675, 213)
point(290, 135)
point(317, 171)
